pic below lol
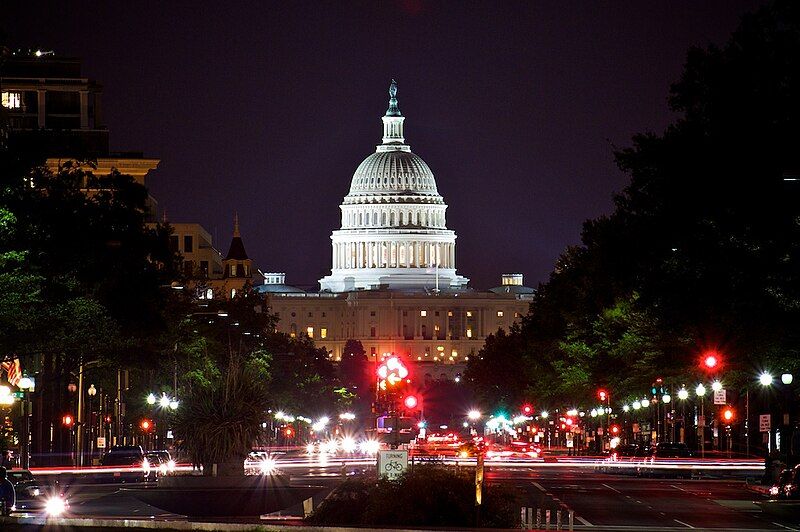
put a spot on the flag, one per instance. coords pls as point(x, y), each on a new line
point(14, 371)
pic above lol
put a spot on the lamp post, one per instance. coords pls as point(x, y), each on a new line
point(92, 391)
point(700, 391)
point(26, 385)
point(683, 395)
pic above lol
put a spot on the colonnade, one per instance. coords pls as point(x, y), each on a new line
point(376, 254)
point(394, 217)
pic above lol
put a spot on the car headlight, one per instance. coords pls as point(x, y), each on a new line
point(774, 490)
point(35, 492)
point(55, 506)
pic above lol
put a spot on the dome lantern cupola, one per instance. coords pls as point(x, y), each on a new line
point(393, 123)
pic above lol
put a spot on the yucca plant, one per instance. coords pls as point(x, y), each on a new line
point(219, 421)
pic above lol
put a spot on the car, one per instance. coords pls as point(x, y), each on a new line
point(162, 461)
point(128, 462)
point(788, 484)
point(785, 477)
point(30, 495)
point(665, 460)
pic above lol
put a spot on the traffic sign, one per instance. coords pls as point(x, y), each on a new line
point(392, 463)
point(720, 397)
point(101, 442)
point(764, 423)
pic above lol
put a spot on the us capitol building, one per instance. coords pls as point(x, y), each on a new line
point(393, 282)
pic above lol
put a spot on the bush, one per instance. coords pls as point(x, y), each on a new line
point(424, 496)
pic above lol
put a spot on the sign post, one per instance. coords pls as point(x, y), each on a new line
point(764, 423)
point(720, 397)
point(392, 463)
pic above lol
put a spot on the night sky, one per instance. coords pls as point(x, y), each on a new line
point(267, 108)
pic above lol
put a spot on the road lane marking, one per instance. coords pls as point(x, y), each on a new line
point(583, 521)
point(539, 487)
point(612, 489)
point(783, 526)
point(678, 488)
point(687, 525)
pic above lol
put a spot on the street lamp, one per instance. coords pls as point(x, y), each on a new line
point(716, 386)
point(683, 394)
point(787, 378)
point(636, 405)
point(666, 398)
point(473, 415)
point(151, 399)
point(765, 379)
point(701, 392)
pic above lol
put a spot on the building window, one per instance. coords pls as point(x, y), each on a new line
point(188, 244)
point(516, 314)
point(323, 314)
point(453, 353)
point(294, 314)
point(310, 314)
point(204, 268)
point(209, 294)
point(436, 313)
point(469, 332)
point(372, 313)
point(405, 313)
point(323, 333)
point(233, 293)
point(469, 313)
point(440, 348)
point(450, 313)
point(423, 313)
point(233, 270)
point(293, 330)
point(373, 352)
point(499, 313)
point(310, 332)
point(12, 100)
point(173, 243)
point(372, 332)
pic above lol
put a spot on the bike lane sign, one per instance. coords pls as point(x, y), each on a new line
point(392, 463)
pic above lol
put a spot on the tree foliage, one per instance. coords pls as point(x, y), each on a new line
point(702, 247)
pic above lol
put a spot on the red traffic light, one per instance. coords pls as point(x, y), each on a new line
point(67, 420)
point(527, 409)
point(614, 429)
point(602, 394)
point(289, 432)
point(710, 360)
point(728, 414)
point(146, 425)
point(411, 402)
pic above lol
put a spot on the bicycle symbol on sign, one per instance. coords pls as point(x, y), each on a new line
point(393, 466)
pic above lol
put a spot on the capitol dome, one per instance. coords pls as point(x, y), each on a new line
point(393, 173)
point(393, 232)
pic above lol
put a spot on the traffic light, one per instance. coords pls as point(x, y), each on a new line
point(615, 430)
point(67, 420)
point(391, 372)
point(288, 432)
point(146, 425)
point(728, 414)
point(411, 402)
point(710, 361)
point(527, 409)
point(602, 394)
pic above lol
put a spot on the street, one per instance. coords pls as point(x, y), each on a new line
point(718, 500)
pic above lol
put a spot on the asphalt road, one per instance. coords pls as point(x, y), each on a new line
point(604, 500)
point(598, 500)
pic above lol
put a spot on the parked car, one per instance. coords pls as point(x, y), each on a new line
point(788, 484)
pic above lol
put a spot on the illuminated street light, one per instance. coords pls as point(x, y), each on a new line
point(573, 412)
point(716, 386)
point(473, 415)
point(700, 390)
point(645, 402)
point(683, 394)
point(174, 404)
point(765, 379)
point(25, 383)
point(151, 399)
point(636, 405)
point(593, 413)
point(626, 408)
point(787, 378)
point(544, 414)
point(666, 398)
point(164, 401)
